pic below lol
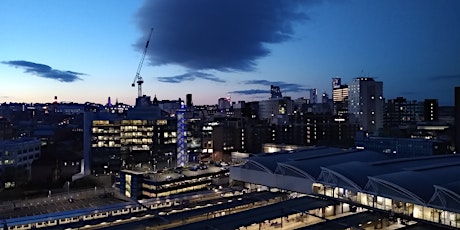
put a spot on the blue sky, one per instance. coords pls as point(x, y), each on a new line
point(89, 50)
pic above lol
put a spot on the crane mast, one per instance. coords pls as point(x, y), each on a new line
point(138, 79)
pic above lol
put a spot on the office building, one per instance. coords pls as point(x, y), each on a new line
point(340, 94)
point(365, 104)
point(339, 97)
point(145, 137)
point(18, 153)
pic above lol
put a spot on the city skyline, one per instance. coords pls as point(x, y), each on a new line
point(80, 51)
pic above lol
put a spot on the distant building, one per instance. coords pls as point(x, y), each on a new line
point(223, 103)
point(402, 147)
point(275, 92)
point(336, 82)
point(276, 111)
point(340, 94)
point(365, 104)
point(188, 100)
point(431, 110)
point(313, 96)
point(6, 129)
point(400, 112)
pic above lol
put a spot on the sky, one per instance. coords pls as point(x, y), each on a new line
point(86, 51)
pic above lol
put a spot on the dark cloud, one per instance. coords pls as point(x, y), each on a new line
point(250, 91)
point(445, 77)
point(45, 71)
point(225, 35)
point(285, 87)
point(190, 76)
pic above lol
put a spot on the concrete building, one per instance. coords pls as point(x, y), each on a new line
point(276, 111)
point(146, 137)
point(401, 112)
point(365, 104)
point(19, 153)
point(137, 184)
point(403, 147)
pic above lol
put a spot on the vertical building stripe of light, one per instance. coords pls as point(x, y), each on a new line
point(181, 137)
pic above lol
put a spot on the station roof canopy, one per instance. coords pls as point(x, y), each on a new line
point(260, 214)
point(429, 180)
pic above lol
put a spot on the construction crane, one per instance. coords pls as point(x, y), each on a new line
point(138, 79)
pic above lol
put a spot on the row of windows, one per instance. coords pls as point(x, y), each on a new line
point(7, 162)
point(136, 128)
point(23, 151)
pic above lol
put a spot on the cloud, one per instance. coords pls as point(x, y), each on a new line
point(285, 87)
point(190, 76)
point(224, 35)
point(250, 91)
point(445, 77)
point(45, 71)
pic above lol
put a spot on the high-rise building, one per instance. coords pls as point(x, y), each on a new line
point(339, 97)
point(223, 103)
point(275, 92)
point(365, 104)
point(336, 82)
point(313, 96)
point(340, 94)
point(431, 110)
point(188, 100)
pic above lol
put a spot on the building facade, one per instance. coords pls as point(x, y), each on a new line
point(365, 104)
point(19, 153)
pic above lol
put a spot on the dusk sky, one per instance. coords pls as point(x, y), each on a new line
point(87, 50)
